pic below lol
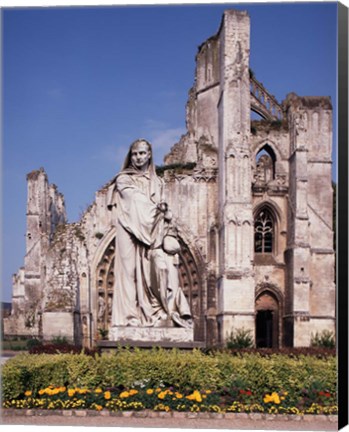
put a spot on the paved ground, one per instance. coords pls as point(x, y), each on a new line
point(5, 355)
point(241, 424)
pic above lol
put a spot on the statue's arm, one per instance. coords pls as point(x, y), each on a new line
point(111, 196)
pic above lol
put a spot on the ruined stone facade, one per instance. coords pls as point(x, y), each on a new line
point(252, 201)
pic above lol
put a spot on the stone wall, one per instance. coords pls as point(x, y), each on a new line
point(222, 178)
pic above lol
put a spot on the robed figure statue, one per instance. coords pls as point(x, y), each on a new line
point(146, 290)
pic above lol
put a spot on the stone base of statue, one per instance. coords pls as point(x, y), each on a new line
point(151, 334)
point(148, 337)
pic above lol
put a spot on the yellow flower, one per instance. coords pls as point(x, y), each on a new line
point(150, 391)
point(124, 394)
point(274, 397)
point(98, 407)
point(133, 392)
point(178, 395)
point(28, 393)
point(162, 394)
point(107, 395)
point(71, 392)
point(267, 398)
point(158, 390)
point(196, 395)
point(98, 390)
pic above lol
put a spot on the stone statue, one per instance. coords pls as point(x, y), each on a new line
point(101, 308)
point(146, 290)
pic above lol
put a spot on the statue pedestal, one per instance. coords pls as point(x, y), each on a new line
point(151, 334)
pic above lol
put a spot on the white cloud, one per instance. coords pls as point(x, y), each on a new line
point(162, 137)
point(159, 134)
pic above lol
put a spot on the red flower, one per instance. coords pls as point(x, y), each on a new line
point(321, 393)
point(327, 394)
point(246, 392)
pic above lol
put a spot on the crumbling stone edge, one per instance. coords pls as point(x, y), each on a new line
point(9, 412)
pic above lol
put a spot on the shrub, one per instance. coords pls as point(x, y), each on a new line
point(325, 339)
point(31, 343)
point(157, 367)
point(240, 338)
point(318, 352)
point(303, 380)
point(32, 372)
point(103, 333)
point(59, 340)
point(63, 348)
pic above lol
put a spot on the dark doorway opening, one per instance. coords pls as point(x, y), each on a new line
point(264, 329)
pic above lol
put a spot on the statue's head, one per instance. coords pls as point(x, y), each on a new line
point(139, 156)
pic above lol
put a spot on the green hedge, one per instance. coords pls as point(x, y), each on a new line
point(181, 370)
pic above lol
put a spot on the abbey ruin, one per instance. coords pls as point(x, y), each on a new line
point(252, 200)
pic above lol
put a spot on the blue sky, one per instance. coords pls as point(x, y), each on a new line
point(80, 84)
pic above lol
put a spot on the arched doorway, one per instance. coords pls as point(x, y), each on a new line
point(189, 278)
point(267, 320)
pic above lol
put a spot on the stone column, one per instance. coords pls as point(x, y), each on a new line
point(38, 226)
point(310, 255)
point(298, 245)
point(236, 283)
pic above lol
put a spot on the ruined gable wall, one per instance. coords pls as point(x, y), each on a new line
point(45, 212)
point(207, 90)
point(71, 283)
point(310, 245)
point(201, 108)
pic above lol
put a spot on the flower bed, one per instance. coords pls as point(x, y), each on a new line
point(162, 380)
point(164, 399)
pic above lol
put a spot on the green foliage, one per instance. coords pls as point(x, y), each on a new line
point(103, 333)
point(59, 340)
point(325, 339)
point(32, 372)
point(31, 343)
point(156, 367)
point(305, 379)
point(178, 167)
point(81, 370)
point(240, 338)
point(14, 345)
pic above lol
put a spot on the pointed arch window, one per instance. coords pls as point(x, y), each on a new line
point(264, 231)
point(265, 164)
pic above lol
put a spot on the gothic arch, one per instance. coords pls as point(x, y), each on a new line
point(190, 272)
point(268, 312)
point(267, 225)
point(104, 242)
point(272, 206)
point(270, 147)
point(272, 289)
